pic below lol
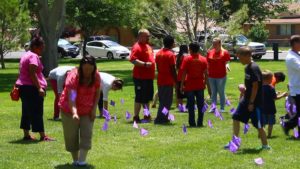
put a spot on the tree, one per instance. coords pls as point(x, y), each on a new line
point(258, 33)
point(14, 24)
point(92, 15)
point(51, 18)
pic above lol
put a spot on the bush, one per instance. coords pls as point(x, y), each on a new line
point(258, 33)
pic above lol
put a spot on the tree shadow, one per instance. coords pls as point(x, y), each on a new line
point(7, 81)
point(70, 166)
point(292, 138)
point(21, 141)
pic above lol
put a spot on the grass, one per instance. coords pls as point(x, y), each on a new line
point(122, 146)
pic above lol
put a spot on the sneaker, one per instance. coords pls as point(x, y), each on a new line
point(264, 147)
point(226, 147)
point(56, 118)
point(29, 138)
point(81, 164)
point(223, 111)
point(47, 138)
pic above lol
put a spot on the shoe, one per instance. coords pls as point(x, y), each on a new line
point(148, 118)
point(226, 147)
point(75, 163)
point(29, 138)
point(81, 164)
point(56, 118)
point(263, 147)
point(137, 119)
point(47, 138)
point(223, 111)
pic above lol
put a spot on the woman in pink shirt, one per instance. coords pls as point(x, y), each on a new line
point(32, 85)
point(78, 104)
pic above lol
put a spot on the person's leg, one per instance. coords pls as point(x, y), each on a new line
point(26, 110)
point(100, 104)
point(263, 136)
point(165, 94)
point(71, 135)
point(191, 108)
point(56, 100)
point(138, 99)
point(200, 103)
point(257, 121)
point(37, 115)
point(86, 132)
point(155, 99)
point(221, 90)
point(236, 128)
point(208, 88)
point(270, 128)
point(213, 87)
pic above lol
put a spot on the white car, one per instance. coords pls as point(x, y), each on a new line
point(106, 48)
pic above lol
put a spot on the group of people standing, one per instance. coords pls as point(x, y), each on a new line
point(188, 73)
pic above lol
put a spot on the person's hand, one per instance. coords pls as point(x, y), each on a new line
point(181, 89)
point(228, 67)
point(148, 64)
point(285, 94)
point(250, 107)
point(75, 117)
point(41, 92)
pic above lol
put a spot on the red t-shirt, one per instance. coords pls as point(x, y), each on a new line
point(179, 69)
point(165, 60)
point(143, 52)
point(217, 63)
point(195, 67)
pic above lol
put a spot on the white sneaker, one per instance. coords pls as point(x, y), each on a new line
point(223, 111)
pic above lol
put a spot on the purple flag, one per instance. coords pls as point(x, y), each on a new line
point(232, 110)
point(146, 112)
point(184, 129)
point(217, 113)
point(171, 117)
point(294, 109)
point(221, 116)
point(233, 147)
point(287, 106)
point(236, 140)
point(204, 108)
point(73, 95)
point(135, 125)
point(259, 161)
point(228, 102)
point(299, 121)
point(112, 103)
point(105, 126)
point(144, 132)
point(210, 123)
point(122, 101)
point(165, 111)
point(127, 115)
point(181, 108)
point(296, 133)
point(213, 106)
point(246, 128)
point(106, 114)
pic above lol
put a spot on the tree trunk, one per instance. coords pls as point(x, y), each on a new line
point(2, 59)
point(50, 54)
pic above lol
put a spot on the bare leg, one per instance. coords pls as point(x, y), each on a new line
point(263, 136)
point(137, 108)
point(155, 99)
point(270, 128)
point(75, 155)
point(236, 128)
point(82, 155)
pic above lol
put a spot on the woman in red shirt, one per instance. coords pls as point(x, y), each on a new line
point(78, 104)
point(217, 59)
point(183, 52)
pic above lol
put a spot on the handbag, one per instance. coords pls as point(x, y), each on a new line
point(15, 94)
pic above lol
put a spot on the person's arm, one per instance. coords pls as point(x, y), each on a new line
point(174, 73)
point(281, 95)
point(34, 78)
point(140, 63)
point(253, 96)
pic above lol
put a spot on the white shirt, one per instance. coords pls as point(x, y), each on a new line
point(293, 67)
point(106, 84)
point(59, 74)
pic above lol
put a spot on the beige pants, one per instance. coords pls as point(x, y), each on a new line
point(77, 135)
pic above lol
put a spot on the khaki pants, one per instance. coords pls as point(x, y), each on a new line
point(77, 135)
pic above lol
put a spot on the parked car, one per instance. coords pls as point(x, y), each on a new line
point(235, 42)
point(100, 37)
point(107, 48)
point(65, 48)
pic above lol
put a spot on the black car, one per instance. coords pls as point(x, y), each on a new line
point(65, 48)
point(100, 37)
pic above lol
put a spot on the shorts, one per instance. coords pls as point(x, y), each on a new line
point(269, 119)
point(243, 115)
point(144, 90)
point(179, 94)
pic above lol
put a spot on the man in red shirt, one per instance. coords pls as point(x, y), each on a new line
point(217, 59)
point(193, 82)
point(166, 78)
point(143, 73)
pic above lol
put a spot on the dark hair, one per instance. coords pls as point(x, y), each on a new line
point(194, 47)
point(118, 83)
point(294, 39)
point(87, 60)
point(183, 49)
point(168, 41)
point(37, 42)
point(244, 51)
point(280, 76)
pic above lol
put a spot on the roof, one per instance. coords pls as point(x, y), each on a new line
point(282, 21)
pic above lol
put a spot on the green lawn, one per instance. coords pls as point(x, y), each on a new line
point(122, 146)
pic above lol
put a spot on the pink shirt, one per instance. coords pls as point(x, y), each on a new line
point(30, 58)
point(84, 95)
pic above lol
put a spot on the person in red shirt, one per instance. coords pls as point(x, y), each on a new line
point(143, 73)
point(193, 82)
point(217, 60)
point(166, 78)
point(183, 52)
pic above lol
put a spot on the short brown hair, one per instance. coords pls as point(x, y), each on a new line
point(244, 51)
point(141, 31)
point(267, 75)
point(294, 39)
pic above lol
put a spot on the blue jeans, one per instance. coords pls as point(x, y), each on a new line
point(199, 94)
point(217, 86)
